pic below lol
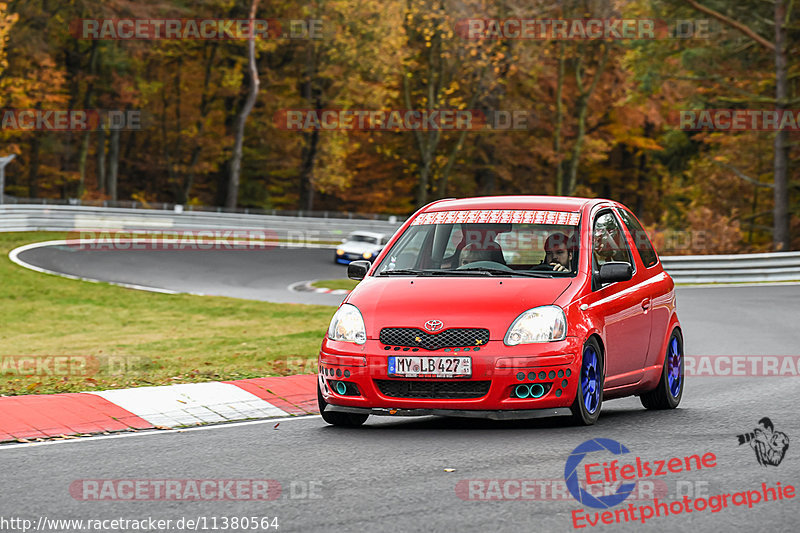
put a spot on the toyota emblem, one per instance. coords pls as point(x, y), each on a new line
point(433, 325)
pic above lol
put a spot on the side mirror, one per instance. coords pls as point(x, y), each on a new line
point(358, 269)
point(615, 271)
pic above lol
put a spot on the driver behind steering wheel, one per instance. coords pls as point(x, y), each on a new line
point(471, 253)
point(557, 253)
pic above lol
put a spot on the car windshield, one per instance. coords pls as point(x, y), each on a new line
point(363, 238)
point(468, 248)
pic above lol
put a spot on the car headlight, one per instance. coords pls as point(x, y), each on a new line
point(339, 252)
point(348, 325)
point(366, 255)
point(540, 324)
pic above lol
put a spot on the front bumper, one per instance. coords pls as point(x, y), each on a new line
point(356, 377)
point(463, 413)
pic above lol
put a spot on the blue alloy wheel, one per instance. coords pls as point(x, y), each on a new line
point(675, 361)
point(590, 386)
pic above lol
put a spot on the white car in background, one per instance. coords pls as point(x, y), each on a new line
point(359, 246)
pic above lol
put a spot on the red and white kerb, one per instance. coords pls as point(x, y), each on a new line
point(484, 216)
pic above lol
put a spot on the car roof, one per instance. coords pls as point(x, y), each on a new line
point(367, 234)
point(558, 203)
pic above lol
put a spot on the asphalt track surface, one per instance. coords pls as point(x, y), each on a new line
point(242, 273)
point(390, 474)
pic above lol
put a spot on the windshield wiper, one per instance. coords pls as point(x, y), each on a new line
point(483, 271)
point(432, 272)
point(402, 272)
point(502, 272)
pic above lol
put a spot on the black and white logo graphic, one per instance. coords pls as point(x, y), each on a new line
point(770, 445)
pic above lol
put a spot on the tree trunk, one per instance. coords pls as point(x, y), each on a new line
point(204, 100)
point(309, 155)
point(101, 157)
point(311, 139)
point(559, 122)
point(424, 177)
point(583, 108)
point(113, 164)
point(781, 240)
point(236, 159)
point(33, 169)
point(450, 162)
point(84, 152)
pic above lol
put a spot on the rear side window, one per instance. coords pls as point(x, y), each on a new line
point(640, 240)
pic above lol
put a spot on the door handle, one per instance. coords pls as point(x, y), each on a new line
point(646, 304)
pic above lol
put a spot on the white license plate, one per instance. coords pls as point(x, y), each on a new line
point(440, 367)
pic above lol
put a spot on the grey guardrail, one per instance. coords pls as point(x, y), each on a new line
point(684, 269)
point(783, 266)
point(68, 218)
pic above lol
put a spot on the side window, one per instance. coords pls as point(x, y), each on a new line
point(406, 252)
point(608, 241)
point(640, 240)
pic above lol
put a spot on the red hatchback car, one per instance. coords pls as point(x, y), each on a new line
point(505, 307)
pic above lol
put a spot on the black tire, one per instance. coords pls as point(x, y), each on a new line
point(338, 419)
point(667, 394)
point(581, 415)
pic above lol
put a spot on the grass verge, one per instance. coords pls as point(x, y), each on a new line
point(121, 338)
point(347, 284)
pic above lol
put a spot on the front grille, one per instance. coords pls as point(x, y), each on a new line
point(449, 338)
point(433, 389)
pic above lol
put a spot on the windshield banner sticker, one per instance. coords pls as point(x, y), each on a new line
point(484, 216)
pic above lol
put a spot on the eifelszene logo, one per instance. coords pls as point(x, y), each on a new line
point(619, 472)
point(770, 445)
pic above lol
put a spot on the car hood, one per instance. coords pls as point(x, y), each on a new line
point(465, 302)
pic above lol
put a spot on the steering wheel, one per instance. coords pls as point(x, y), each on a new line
point(543, 266)
point(486, 264)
